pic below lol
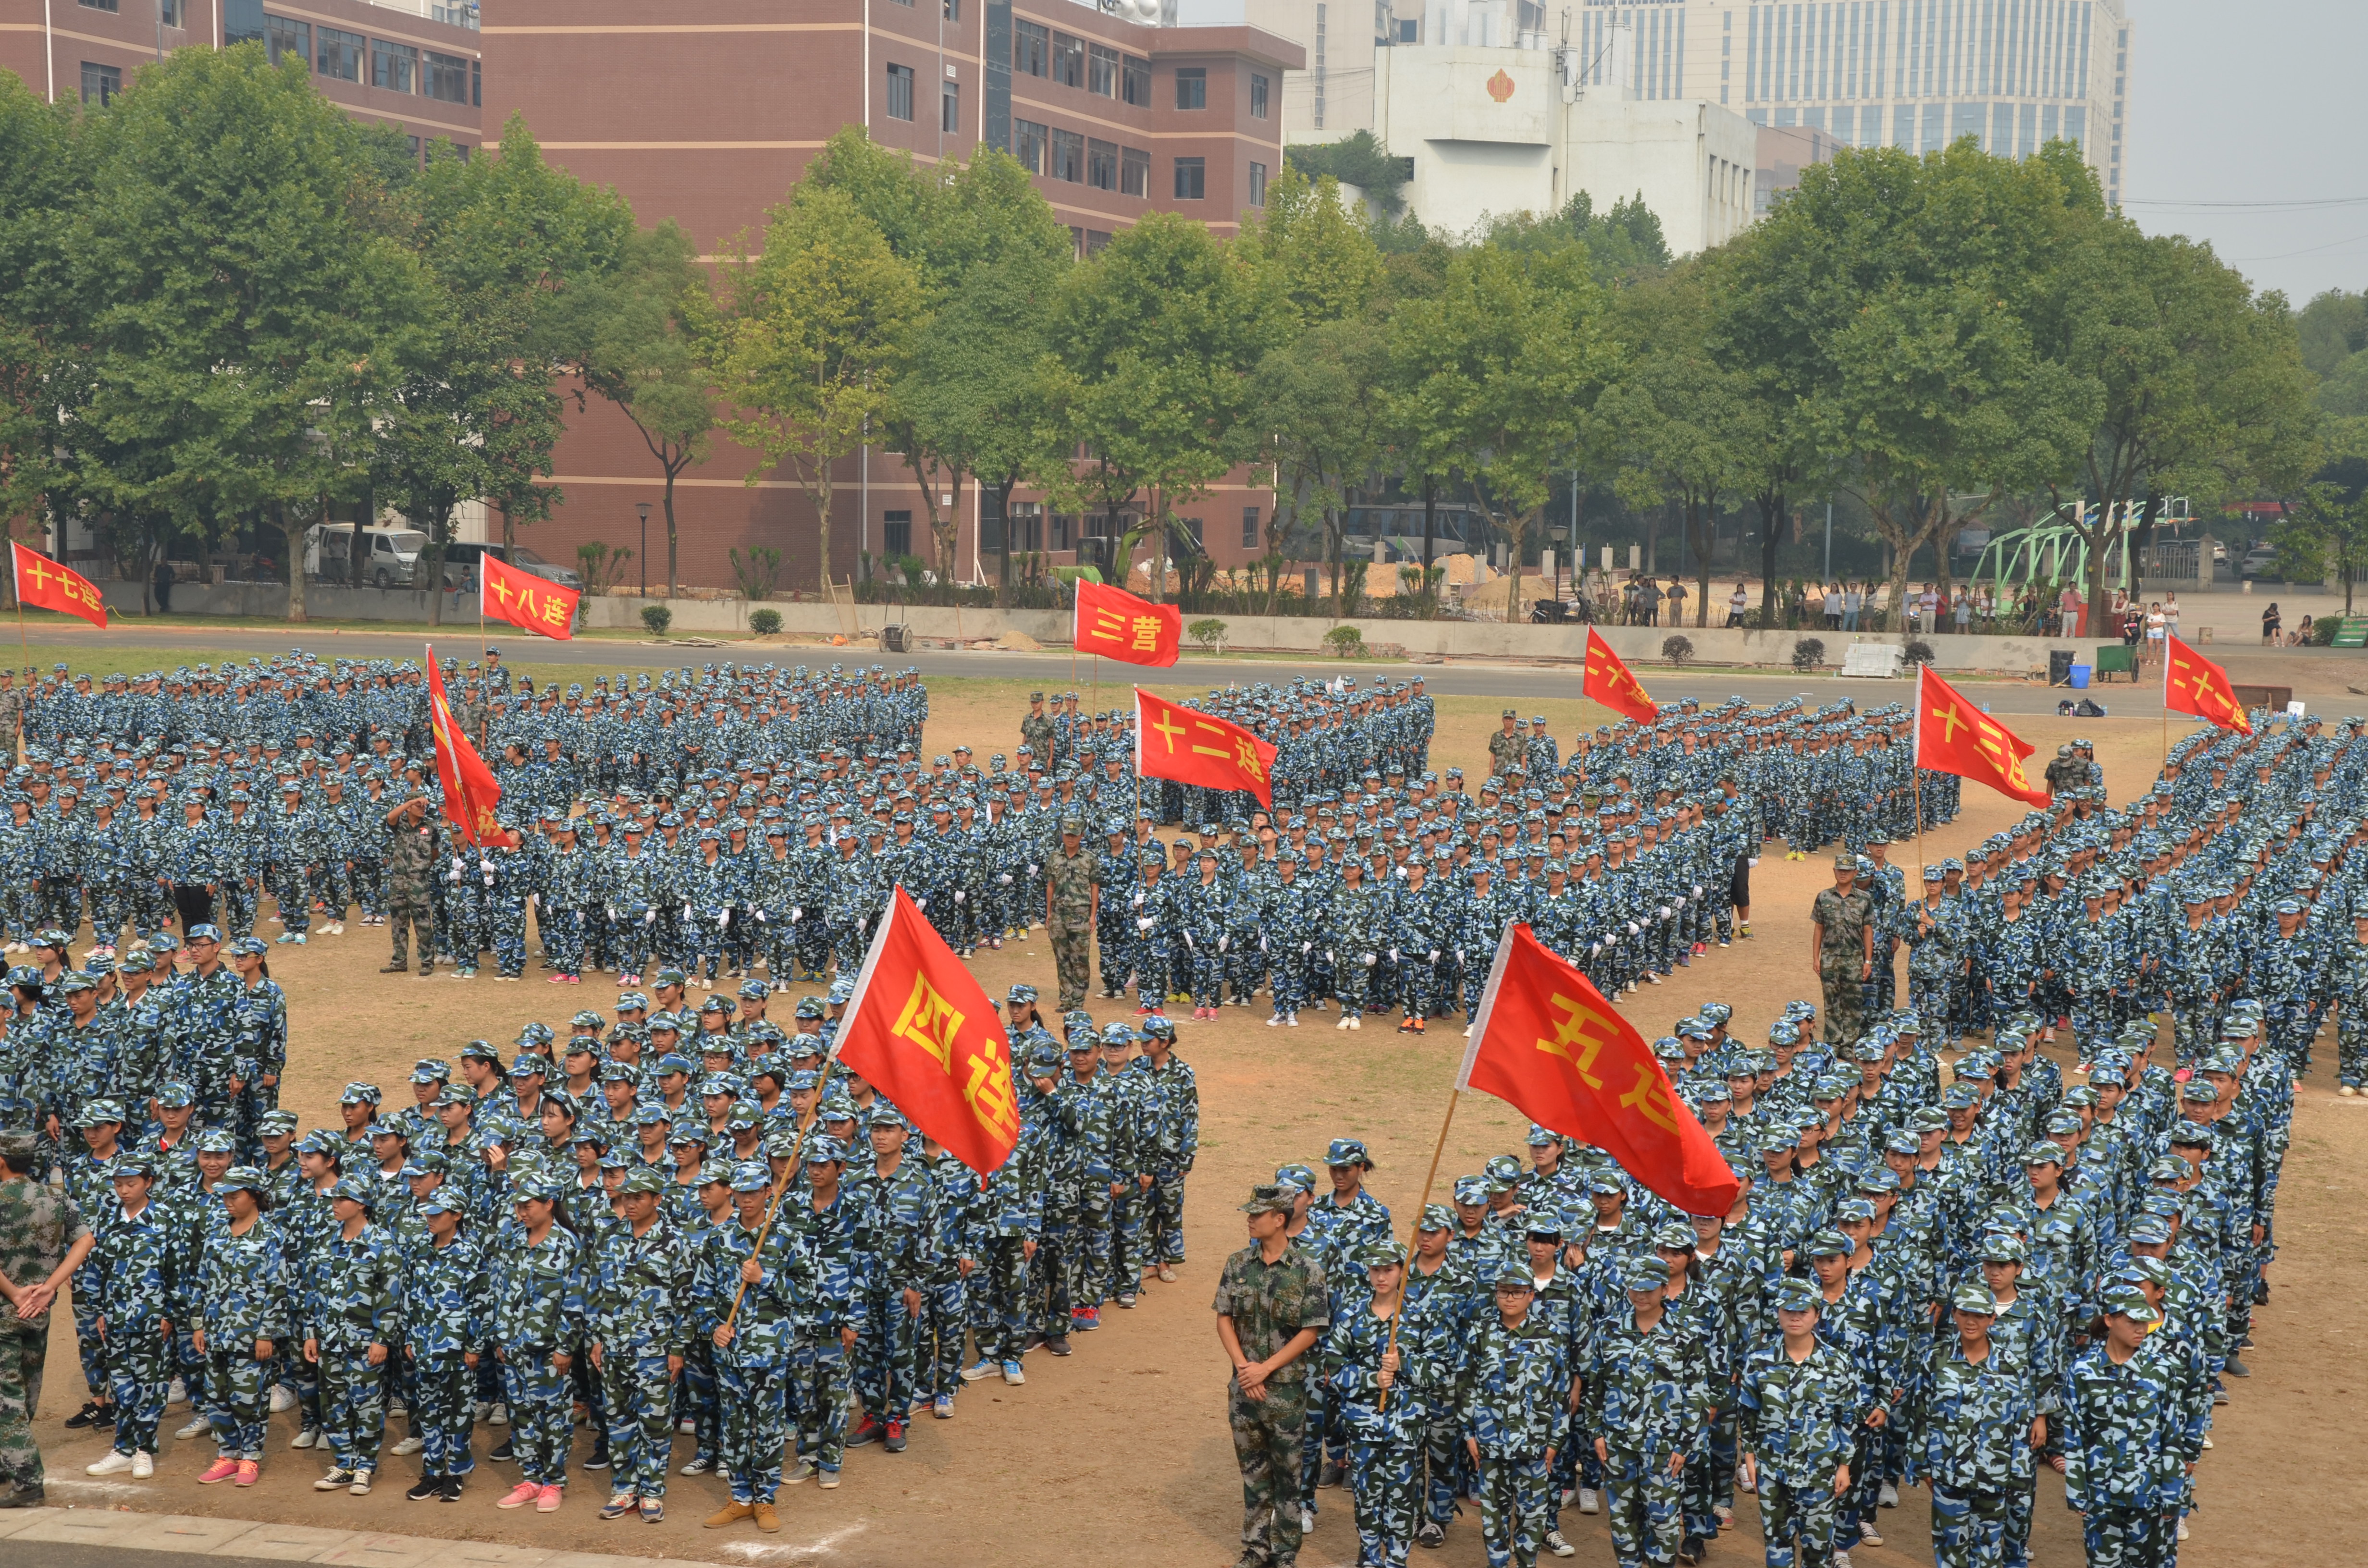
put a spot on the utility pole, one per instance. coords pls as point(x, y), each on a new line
point(1829, 541)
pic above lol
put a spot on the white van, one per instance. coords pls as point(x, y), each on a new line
point(390, 556)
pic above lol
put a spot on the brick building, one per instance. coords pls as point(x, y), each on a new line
point(709, 114)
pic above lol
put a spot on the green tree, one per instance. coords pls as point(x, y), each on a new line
point(1673, 420)
point(2198, 383)
point(2327, 527)
point(1501, 365)
point(39, 174)
point(245, 310)
point(807, 348)
point(634, 338)
point(475, 412)
point(1153, 346)
point(1323, 255)
point(1324, 407)
point(1360, 159)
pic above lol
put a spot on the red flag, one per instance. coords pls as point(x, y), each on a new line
point(2193, 683)
point(1172, 740)
point(922, 1031)
point(1117, 625)
point(1952, 735)
point(470, 792)
point(1547, 1042)
point(42, 583)
point(525, 600)
point(1609, 682)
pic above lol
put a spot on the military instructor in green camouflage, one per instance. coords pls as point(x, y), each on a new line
point(1271, 1308)
point(1841, 948)
point(1072, 899)
point(412, 846)
point(1507, 746)
point(43, 1240)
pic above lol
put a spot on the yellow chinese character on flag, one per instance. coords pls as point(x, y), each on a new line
point(1146, 633)
point(928, 1022)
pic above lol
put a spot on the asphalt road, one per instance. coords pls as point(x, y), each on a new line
point(1513, 683)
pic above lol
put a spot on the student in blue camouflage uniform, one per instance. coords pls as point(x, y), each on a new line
point(352, 1322)
point(828, 1223)
point(639, 1297)
point(538, 1314)
point(241, 1303)
point(900, 1233)
point(1515, 1380)
point(1802, 1402)
point(751, 1276)
point(447, 1319)
point(140, 1293)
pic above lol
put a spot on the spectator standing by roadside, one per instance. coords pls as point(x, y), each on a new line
point(1833, 606)
point(1853, 600)
point(1676, 598)
point(1737, 603)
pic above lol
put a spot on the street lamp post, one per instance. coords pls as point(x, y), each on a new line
point(643, 508)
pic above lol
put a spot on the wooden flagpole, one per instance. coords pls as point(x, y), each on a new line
point(1413, 1231)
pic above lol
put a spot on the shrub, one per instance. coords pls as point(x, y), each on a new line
point(1918, 651)
point(657, 617)
point(1346, 642)
point(1209, 633)
point(2323, 630)
point(764, 622)
point(1808, 653)
point(1676, 650)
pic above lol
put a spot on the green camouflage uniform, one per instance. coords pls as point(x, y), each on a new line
point(411, 854)
point(1841, 961)
point(37, 1226)
point(1070, 879)
point(1269, 1304)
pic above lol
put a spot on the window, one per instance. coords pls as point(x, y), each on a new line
point(1068, 158)
point(1101, 165)
point(100, 84)
point(1031, 48)
point(393, 65)
point(900, 92)
point(897, 533)
point(1134, 173)
point(1097, 240)
point(169, 12)
point(1257, 95)
point(1027, 144)
point(1027, 527)
point(98, 6)
point(1064, 530)
point(1250, 528)
point(1192, 87)
point(1192, 179)
point(1409, 32)
point(953, 10)
point(1068, 59)
point(950, 106)
point(1257, 185)
point(339, 55)
point(282, 36)
point(445, 78)
point(476, 83)
point(242, 21)
point(415, 148)
point(1101, 70)
point(1135, 81)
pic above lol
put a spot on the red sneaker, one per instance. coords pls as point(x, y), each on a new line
point(221, 1469)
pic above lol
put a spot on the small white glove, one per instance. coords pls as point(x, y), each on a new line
point(1373, 959)
point(1678, 902)
point(960, 897)
point(1033, 869)
point(612, 911)
point(1632, 928)
point(1594, 949)
point(1752, 862)
point(686, 912)
point(1698, 890)
point(649, 918)
point(1224, 942)
point(1004, 877)
point(723, 921)
point(1434, 955)
point(1143, 923)
point(761, 920)
point(1188, 942)
point(1138, 901)
point(1306, 948)
point(1394, 956)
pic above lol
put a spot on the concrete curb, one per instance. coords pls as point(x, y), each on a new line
point(121, 1531)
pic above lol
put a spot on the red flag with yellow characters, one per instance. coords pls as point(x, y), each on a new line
point(1546, 1041)
point(1952, 735)
point(922, 1031)
point(470, 793)
point(525, 600)
point(1172, 740)
point(2193, 683)
point(1609, 682)
point(1117, 625)
point(42, 583)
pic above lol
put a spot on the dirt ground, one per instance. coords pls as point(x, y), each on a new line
point(1120, 1456)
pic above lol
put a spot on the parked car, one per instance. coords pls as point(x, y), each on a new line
point(461, 561)
point(2262, 561)
point(390, 556)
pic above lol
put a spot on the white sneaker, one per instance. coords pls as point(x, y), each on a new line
point(178, 1394)
point(1275, 1021)
point(1291, 1018)
point(282, 1398)
point(143, 1465)
point(360, 1488)
point(1559, 1547)
point(1841, 1560)
point(1344, 1023)
point(338, 1480)
point(1588, 1502)
point(2207, 1440)
point(305, 1438)
point(115, 1462)
point(410, 1445)
point(482, 1410)
point(1306, 1522)
point(1868, 1536)
point(197, 1426)
point(501, 1413)
point(2182, 1528)
point(1889, 1497)
point(1357, 1025)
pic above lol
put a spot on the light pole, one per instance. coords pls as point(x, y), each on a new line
point(643, 508)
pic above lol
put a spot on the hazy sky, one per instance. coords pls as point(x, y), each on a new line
point(2247, 128)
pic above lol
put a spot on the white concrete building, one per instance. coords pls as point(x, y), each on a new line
point(1495, 130)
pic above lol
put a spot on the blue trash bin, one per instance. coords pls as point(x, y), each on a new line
point(2080, 674)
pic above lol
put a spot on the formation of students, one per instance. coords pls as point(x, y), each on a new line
point(685, 1217)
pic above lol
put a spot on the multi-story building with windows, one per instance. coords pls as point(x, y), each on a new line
point(411, 64)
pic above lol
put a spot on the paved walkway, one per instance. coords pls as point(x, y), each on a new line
point(98, 1536)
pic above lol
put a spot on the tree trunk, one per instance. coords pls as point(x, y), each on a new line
point(1429, 533)
point(1701, 532)
point(1652, 539)
point(293, 531)
point(671, 542)
point(1772, 535)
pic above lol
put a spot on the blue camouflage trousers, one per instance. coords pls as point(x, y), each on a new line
point(238, 1404)
point(1385, 1478)
point(887, 1357)
point(1646, 1507)
point(755, 1399)
point(945, 1314)
point(998, 1302)
point(139, 1368)
point(1968, 1528)
point(561, 928)
point(1162, 1207)
point(637, 1391)
point(1798, 1522)
point(2130, 1538)
point(1089, 1252)
point(441, 1387)
point(1515, 1507)
point(542, 1413)
point(820, 1383)
point(353, 1406)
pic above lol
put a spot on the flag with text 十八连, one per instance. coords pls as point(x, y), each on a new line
point(1609, 681)
point(526, 601)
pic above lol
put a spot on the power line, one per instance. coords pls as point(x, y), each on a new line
point(2305, 251)
point(2296, 205)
